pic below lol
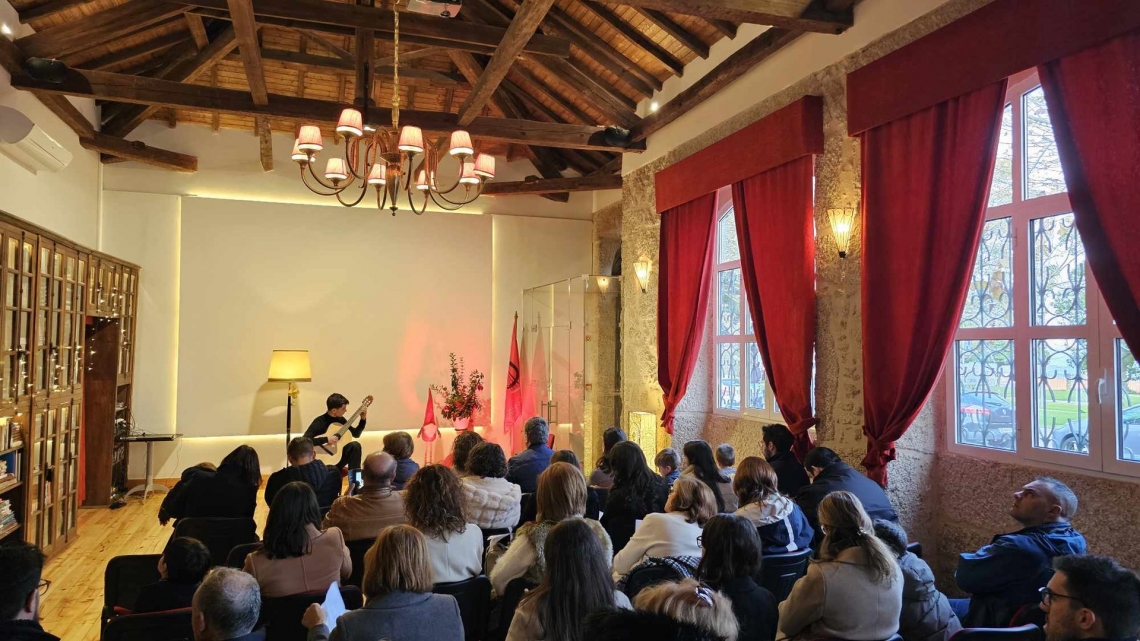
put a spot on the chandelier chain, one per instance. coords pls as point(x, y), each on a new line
point(396, 66)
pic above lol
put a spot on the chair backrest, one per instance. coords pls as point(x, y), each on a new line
point(779, 572)
point(915, 549)
point(1021, 633)
point(603, 494)
point(172, 625)
point(513, 593)
point(125, 576)
point(218, 534)
point(356, 550)
point(282, 615)
point(474, 597)
point(236, 557)
point(650, 575)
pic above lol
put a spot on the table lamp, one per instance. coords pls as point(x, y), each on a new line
point(291, 366)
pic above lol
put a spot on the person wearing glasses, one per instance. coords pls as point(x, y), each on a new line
point(21, 588)
point(1091, 597)
point(1005, 575)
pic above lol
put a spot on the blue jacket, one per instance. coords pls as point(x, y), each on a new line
point(406, 468)
point(523, 468)
point(781, 523)
point(1006, 574)
point(841, 476)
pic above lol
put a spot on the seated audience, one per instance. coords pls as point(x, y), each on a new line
point(524, 467)
point(778, 441)
point(695, 610)
point(854, 590)
point(731, 559)
point(306, 468)
point(433, 502)
point(699, 464)
point(593, 503)
point(399, 603)
point(828, 473)
point(182, 566)
point(226, 607)
point(175, 494)
point(230, 492)
point(374, 507)
point(295, 556)
point(1091, 597)
point(492, 501)
point(1006, 574)
point(726, 460)
point(461, 447)
point(926, 614)
point(561, 495)
point(21, 587)
point(782, 525)
point(668, 463)
point(400, 446)
point(676, 532)
point(636, 492)
point(602, 476)
point(576, 584)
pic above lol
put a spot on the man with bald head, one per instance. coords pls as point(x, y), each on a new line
point(374, 507)
point(1005, 575)
point(226, 607)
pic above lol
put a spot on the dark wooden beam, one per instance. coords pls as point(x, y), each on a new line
point(264, 142)
point(49, 8)
point(132, 54)
point(245, 30)
point(639, 39)
point(197, 28)
point(408, 56)
point(611, 167)
point(365, 49)
point(558, 99)
point(670, 26)
point(788, 14)
point(725, 27)
point(331, 47)
point(597, 48)
point(552, 185)
point(838, 5)
point(12, 61)
point(734, 66)
point(305, 61)
point(105, 26)
point(138, 151)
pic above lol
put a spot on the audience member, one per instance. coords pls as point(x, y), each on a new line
point(699, 463)
point(676, 532)
point(668, 463)
point(726, 460)
point(926, 614)
point(561, 495)
point(854, 590)
point(731, 559)
point(778, 441)
point(433, 502)
point(176, 493)
point(399, 603)
point(828, 473)
point(230, 492)
point(182, 566)
point(21, 587)
point(296, 556)
point(305, 467)
point(461, 447)
point(593, 502)
point(1091, 597)
point(524, 467)
point(636, 492)
point(374, 507)
point(576, 584)
point(492, 501)
point(226, 607)
point(782, 525)
point(400, 446)
point(688, 602)
point(602, 476)
point(1006, 574)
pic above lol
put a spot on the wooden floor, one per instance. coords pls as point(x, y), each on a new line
point(71, 608)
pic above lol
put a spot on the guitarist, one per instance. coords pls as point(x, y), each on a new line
point(350, 453)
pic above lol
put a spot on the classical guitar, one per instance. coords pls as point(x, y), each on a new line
point(331, 448)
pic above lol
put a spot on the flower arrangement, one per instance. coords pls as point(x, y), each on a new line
point(461, 398)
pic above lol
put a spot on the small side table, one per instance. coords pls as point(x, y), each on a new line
point(150, 439)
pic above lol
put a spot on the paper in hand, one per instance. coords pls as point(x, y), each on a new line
point(333, 605)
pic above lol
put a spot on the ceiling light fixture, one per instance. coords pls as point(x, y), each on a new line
point(5, 29)
point(653, 106)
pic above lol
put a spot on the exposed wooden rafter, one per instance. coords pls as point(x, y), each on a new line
point(245, 31)
point(639, 39)
point(679, 33)
point(139, 151)
point(48, 9)
point(105, 26)
point(197, 28)
point(552, 185)
point(789, 14)
point(328, 64)
point(135, 53)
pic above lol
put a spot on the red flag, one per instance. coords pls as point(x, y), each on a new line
point(429, 430)
point(513, 405)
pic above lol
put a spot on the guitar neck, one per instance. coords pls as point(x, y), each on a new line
point(350, 421)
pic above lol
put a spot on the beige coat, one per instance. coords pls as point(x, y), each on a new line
point(364, 515)
point(327, 561)
point(838, 599)
point(525, 626)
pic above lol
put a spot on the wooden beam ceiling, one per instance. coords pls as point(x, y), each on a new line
point(48, 9)
point(679, 33)
point(788, 14)
point(552, 185)
point(328, 64)
point(245, 31)
point(138, 151)
point(133, 54)
point(197, 28)
point(105, 26)
point(639, 39)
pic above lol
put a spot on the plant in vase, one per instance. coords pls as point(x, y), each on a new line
point(460, 400)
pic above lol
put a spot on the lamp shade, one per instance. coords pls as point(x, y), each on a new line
point(290, 365)
point(421, 181)
point(334, 170)
point(842, 225)
point(310, 139)
point(411, 140)
point(641, 271)
point(468, 176)
point(299, 156)
point(461, 143)
point(485, 165)
point(379, 175)
point(351, 123)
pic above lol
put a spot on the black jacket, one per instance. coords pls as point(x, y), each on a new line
point(24, 631)
point(324, 479)
point(321, 424)
point(622, 625)
point(165, 595)
point(790, 474)
point(174, 503)
point(842, 477)
point(624, 508)
point(755, 608)
point(221, 494)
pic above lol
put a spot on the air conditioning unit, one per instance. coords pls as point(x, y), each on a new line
point(31, 147)
point(441, 8)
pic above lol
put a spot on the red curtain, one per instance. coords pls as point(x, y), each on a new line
point(687, 235)
point(1093, 97)
point(926, 178)
point(774, 226)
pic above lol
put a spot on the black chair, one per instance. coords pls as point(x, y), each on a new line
point(236, 557)
point(282, 615)
point(356, 550)
point(172, 625)
point(915, 549)
point(1029, 614)
point(779, 572)
point(509, 602)
point(124, 578)
point(218, 534)
point(650, 575)
point(474, 597)
point(603, 494)
point(1022, 633)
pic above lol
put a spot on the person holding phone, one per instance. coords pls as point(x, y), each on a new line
point(375, 504)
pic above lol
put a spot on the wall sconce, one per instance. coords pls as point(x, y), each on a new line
point(643, 431)
point(842, 224)
point(641, 271)
point(603, 284)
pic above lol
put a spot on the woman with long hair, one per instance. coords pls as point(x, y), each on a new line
point(434, 505)
point(676, 532)
point(577, 583)
point(730, 561)
point(561, 496)
point(228, 491)
point(602, 476)
point(492, 501)
point(295, 556)
point(782, 525)
point(699, 462)
point(637, 491)
point(854, 590)
point(399, 603)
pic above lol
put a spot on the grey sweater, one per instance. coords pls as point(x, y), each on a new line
point(406, 616)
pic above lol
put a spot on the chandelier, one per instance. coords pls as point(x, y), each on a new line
point(394, 161)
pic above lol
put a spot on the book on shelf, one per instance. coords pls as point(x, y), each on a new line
point(7, 516)
point(9, 468)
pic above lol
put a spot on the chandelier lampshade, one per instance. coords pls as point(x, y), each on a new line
point(421, 181)
point(335, 170)
point(299, 155)
point(468, 176)
point(379, 175)
point(310, 139)
point(411, 140)
point(461, 144)
point(351, 123)
point(485, 165)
